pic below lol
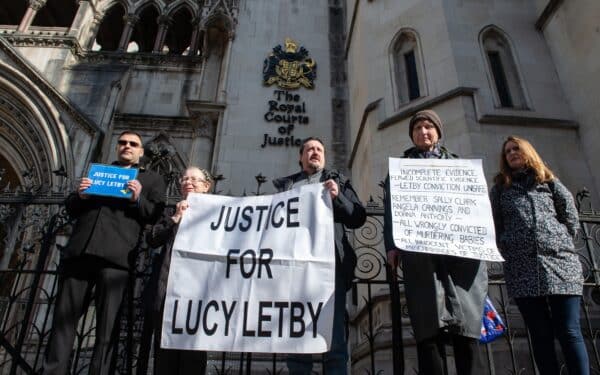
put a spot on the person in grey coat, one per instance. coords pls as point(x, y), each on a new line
point(536, 220)
point(444, 294)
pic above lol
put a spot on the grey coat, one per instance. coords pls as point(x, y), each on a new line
point(443, 293)
point(535, 225)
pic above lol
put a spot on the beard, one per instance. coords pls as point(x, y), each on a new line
point(315, 166)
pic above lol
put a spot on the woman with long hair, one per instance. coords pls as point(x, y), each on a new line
point(536, 220)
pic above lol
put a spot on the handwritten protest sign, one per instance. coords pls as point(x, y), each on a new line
point(441, 206)
point(253, 274)
point(109, 180)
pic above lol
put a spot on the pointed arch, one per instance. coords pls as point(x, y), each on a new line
point(407, 69)
point(56, 13)
point(112, 26)
point(179, 34)
point(163, 157)
point(33, 139)
point(502, 68)
point(216, 32)
point(220, 21)
point(105, 6)
point(192, 7)
point(146, 27)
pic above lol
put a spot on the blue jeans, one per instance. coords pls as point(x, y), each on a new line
point(555, 316)
point(336, 359)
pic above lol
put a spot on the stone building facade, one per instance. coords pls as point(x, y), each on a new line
point(188, 76)
point(490, 69)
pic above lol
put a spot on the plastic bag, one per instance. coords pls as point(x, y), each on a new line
point(492, 325)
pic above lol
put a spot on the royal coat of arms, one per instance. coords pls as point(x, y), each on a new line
point(289, 67)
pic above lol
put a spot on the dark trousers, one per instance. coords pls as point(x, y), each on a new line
point(175, 361)
point(77, 279)
point(335, 361)
point(467, 356)
point(553, 317)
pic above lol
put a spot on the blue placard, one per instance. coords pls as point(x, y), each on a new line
point(110, 181)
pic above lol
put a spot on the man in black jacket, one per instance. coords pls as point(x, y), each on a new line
point(348, 212)
point(105, 233)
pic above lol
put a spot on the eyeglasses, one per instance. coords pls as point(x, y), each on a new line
point(192, 179)
point(123, 142)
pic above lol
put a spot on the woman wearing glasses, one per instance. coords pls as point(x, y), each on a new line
point(536, 221)
point(168, 361)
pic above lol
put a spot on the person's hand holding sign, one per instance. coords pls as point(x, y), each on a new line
point(333, 188)
point(136, 189)
point(83, 185)
point(179, 210)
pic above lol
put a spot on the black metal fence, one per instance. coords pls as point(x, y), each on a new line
point(34, 226)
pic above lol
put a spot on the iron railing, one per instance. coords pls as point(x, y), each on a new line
point(35, 226)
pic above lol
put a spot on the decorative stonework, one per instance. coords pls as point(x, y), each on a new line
point(221, 10)
point(153, 123)
point(205, 126)
point(30, 146)
point(290, 67)
point(159, 147)
point(43, 40)
point(86, 124)
point(36, 4)
point(6, 211)
point(200, 125)
point(184, 63)
point(339, 85)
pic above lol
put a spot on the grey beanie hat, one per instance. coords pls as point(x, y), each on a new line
point(427, 114)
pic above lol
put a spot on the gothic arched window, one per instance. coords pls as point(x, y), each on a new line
point(56, 13)
point(502, 70)
point(179, 35)
point(407, 65)
point(146, 29)
point(11, 12)
point(110, 31)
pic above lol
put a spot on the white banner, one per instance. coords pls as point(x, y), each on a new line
point(253, 274)
point(441, 206)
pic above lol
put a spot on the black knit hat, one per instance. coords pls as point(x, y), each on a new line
point(427, 114)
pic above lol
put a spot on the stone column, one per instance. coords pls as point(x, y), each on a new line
point(163, 27)
point(87, 41)
point(222, 90)
point(203, 140)
point(83, 11)
point(204, 61)
point(195, 36)
point(130, 21)
point(32, 9)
